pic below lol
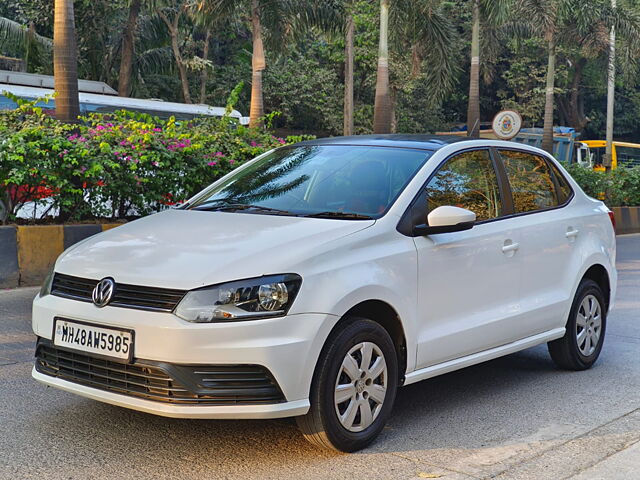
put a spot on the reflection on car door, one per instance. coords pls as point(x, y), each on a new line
point(469, 281)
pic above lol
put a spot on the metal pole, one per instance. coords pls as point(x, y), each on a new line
point(611, 74)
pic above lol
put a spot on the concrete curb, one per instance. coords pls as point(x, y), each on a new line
point(627, 219)
point(27, 252)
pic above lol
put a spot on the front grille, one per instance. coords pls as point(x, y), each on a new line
point(162, 382)
point(126, 296)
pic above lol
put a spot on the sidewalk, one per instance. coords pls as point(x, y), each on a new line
point(624, 465)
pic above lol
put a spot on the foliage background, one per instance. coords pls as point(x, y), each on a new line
point(115, 166)
point(304, 76)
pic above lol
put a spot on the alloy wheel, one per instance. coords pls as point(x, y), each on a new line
point(361, 386)
point(588, 325)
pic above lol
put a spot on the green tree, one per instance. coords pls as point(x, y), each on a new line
point(65, 62)
point(490, 13)
point(23, 42)
point(573, 23)
point(128, 48)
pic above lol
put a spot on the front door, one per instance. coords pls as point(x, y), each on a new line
point(469, 281)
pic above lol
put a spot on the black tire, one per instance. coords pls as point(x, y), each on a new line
point(321, 425)
point(565, 351)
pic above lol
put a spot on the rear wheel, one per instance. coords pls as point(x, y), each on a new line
point(582, 342)
point(354, 388)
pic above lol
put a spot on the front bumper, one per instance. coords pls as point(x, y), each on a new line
point(287, 409)
point(288, 347)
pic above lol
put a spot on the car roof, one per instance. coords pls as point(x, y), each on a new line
point(417, 141)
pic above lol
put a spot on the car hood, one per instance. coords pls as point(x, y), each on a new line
point(187, 249)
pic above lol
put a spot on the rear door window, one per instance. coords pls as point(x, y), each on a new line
point(531, 181)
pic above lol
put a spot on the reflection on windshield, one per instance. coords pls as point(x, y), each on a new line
point(333, 181)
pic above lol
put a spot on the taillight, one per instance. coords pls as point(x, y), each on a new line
point(612, 217)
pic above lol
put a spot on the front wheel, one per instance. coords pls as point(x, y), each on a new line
point(584, 336)
point(354, 388)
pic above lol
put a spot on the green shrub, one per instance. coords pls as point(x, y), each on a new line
point(619, 188)
point(116, 165)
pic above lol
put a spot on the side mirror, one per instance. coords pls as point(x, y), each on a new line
point(446, 219)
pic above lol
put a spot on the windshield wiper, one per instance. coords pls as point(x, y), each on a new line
point(232, 207)
point(345, 215)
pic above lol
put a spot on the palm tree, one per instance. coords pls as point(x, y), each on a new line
point(421, 27)
point(574, 23)
point(24, 43)
point(279, 15)
point(382, 107)
point(424, 28)
point(348, 75)
point(65, 62)
point(491, 12)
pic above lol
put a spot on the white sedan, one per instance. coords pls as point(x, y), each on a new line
point(316, 279)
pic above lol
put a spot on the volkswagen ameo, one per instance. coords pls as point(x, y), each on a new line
point(316, 279)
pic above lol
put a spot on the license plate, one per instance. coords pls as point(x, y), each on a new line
point(106, 341)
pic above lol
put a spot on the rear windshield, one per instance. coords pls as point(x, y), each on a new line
point(333, 181)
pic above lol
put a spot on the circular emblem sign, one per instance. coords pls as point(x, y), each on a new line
point(507, 124)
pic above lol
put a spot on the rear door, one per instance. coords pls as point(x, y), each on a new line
point(549, 237)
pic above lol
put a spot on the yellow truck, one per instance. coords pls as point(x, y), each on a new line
point(623, 154)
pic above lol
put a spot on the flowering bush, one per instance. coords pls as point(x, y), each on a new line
point(116, 165)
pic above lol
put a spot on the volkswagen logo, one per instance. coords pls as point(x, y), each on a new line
point(103, 292)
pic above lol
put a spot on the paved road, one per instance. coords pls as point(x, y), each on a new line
point(512, 418)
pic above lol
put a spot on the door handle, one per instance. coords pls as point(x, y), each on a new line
point(572, 233)
point(510, 246)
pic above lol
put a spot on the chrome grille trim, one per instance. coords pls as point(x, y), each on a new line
point(125, 296)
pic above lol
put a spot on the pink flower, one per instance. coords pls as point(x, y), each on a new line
point(212, 164)
point(253, 144)
point(155, 164)
point(72, 137)
point(219, 154)
point(232, 161)
point(157, 129)
point(100, 127)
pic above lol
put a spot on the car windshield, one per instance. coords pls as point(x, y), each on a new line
point(328, 181)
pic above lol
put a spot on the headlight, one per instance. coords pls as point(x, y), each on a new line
point(48, 280)
point(250, 299)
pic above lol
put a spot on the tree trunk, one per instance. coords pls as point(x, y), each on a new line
point(65, 62)
point(348, 77)
point(382, 107)
point(128, 49)
point(256, 110)
point(172, 25)
point(205, 72)
point(547, 129)
point(611, 90)
point(393, 96)
point(473, 111)
point(571, 106)
point(416, 60)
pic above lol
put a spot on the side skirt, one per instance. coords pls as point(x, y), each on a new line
point(462, 362)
